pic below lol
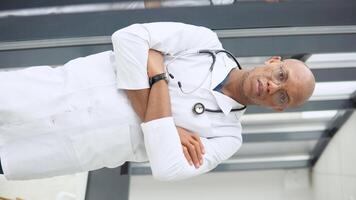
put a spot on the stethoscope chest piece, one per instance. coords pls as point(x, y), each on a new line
point(198, 108)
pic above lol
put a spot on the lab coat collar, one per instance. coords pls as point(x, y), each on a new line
point(218, 75)
point(220, 72)
point(226, 103)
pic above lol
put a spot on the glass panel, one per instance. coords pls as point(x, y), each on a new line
point(109, 6)
point(275, 149)
point(331, 57)
point(287, 122)
point(288, 117)
point(52, 8)
point(285, 127)
point(262, 159)
point(332, 60)
point(333, 90)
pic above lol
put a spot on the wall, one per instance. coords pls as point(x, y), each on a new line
point(334, 175)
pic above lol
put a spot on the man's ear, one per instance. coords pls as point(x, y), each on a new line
point(273, 59)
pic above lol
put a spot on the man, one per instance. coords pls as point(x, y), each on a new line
point(79, 121)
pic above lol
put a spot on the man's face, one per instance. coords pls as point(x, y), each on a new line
point(279, 84)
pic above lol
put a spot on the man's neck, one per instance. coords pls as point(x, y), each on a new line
point(234, 86)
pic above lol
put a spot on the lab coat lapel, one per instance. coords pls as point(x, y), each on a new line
point(226, 103)
point(220, 71)
point(218, 75)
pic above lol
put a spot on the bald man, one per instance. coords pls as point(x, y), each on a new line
point(277, 84)
point(100, 110)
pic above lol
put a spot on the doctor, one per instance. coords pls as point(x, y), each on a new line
point(108, 108)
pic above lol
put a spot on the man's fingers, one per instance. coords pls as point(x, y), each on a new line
point(192, 146)
point(197, 138)
point(198, 151)
point(187, 156)
point(193, 155)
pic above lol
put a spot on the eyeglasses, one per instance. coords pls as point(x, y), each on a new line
point(279, 76)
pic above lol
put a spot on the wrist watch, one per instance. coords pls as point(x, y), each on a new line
point(154, 79)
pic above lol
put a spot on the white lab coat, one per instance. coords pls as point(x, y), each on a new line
point(55, 121)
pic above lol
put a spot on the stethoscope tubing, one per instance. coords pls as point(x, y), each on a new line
point(199, 108)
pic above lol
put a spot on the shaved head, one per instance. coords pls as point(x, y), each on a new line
point(277, 84)
point(304, 80)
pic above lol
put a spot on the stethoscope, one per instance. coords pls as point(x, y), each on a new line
point(199, 108)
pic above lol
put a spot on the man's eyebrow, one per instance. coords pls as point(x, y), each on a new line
point(287, 75)
point(285, 70)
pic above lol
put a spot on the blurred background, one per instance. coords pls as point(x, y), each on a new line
point(302, 154)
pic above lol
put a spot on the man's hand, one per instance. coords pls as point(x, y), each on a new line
point(155, 64)
point(193, 148)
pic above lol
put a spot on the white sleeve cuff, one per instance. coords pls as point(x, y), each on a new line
point(156, 124)
point(166, 155)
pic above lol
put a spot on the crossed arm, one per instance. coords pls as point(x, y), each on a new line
point(154, 103)
point(136, 61)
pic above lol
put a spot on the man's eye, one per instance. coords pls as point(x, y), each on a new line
point(283, 98)
point(281, 75)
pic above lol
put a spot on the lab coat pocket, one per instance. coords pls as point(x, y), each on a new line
point(105, 146)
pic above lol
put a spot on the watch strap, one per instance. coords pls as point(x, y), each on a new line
point(158, 77)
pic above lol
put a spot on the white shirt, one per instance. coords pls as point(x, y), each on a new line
point(78, 120)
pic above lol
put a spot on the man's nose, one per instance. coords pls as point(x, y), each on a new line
point(272, 87)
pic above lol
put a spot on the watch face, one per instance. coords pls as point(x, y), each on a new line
point(198, 108)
